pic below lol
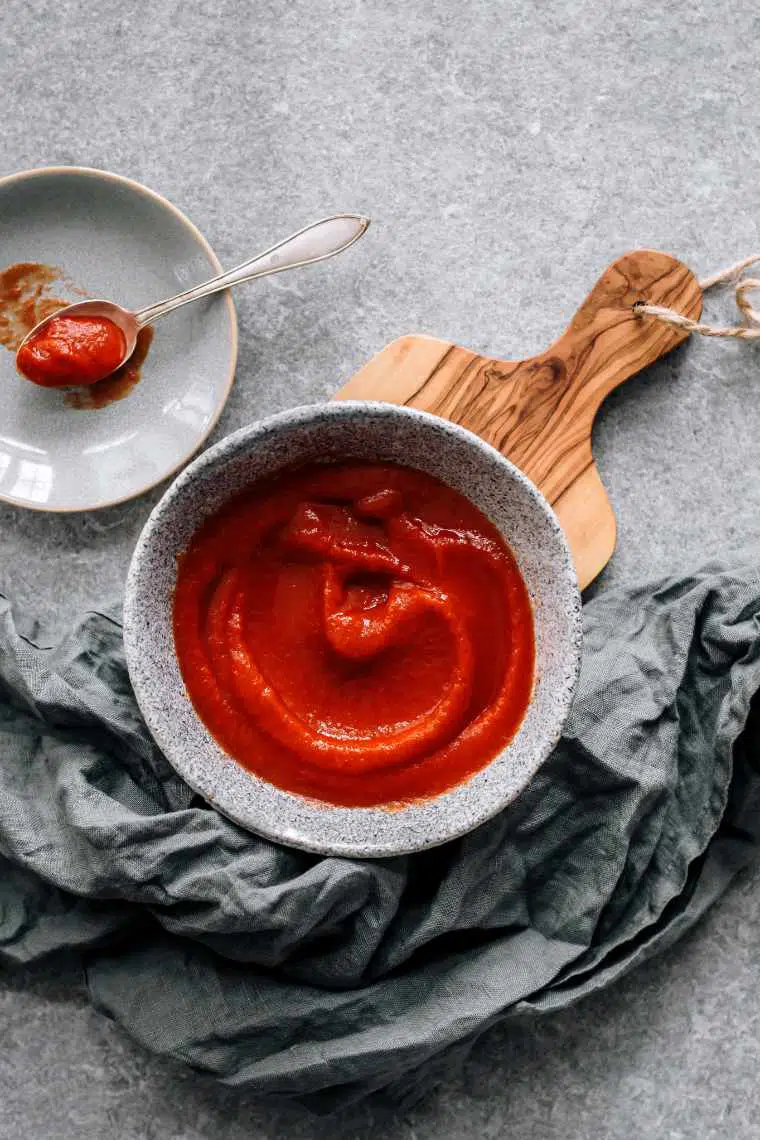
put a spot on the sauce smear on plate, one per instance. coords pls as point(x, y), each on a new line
point(116, 386)
point(356, 633)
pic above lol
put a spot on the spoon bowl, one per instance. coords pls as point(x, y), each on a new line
point(122, 318)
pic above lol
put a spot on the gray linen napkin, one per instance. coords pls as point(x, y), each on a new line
point(324, 978)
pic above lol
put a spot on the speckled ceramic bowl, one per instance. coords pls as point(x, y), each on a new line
point(381, 432)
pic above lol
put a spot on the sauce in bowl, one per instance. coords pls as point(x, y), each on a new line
point(355, 633)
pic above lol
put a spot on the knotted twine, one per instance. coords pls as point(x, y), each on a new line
point(731, 275)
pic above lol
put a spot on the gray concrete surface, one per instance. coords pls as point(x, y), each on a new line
point(507, 152)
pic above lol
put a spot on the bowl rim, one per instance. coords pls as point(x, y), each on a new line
point(216, 265)
point(230, 448)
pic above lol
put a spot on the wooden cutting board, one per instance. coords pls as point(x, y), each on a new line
point(539, 412)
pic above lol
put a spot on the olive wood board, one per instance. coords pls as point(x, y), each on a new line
point(540, 412)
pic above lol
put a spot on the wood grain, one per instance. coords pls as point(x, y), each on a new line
point(540, 412)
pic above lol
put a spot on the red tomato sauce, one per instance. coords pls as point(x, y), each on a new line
point(355, 633)
point(70, 351)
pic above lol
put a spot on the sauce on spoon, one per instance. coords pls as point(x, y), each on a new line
point(30, 292)
point(72, 350)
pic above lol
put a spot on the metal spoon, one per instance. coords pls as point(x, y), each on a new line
point(314, 243)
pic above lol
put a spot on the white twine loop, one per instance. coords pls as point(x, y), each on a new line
point(732, 275)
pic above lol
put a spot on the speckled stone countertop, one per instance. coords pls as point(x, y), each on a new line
point(507, 152)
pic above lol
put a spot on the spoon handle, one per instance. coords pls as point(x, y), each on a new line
point(314, 243)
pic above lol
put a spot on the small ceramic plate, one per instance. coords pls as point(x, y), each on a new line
point(376, 432)
point(111, 238)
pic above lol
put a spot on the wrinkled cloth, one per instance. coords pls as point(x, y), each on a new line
point(326, 978)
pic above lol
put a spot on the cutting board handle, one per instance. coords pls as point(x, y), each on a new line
point(539, 412)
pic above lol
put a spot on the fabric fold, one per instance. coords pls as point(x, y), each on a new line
point(327, 978)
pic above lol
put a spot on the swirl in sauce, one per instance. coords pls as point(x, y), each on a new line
point(356, 633)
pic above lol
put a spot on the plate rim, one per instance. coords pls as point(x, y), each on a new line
point(140, 188)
